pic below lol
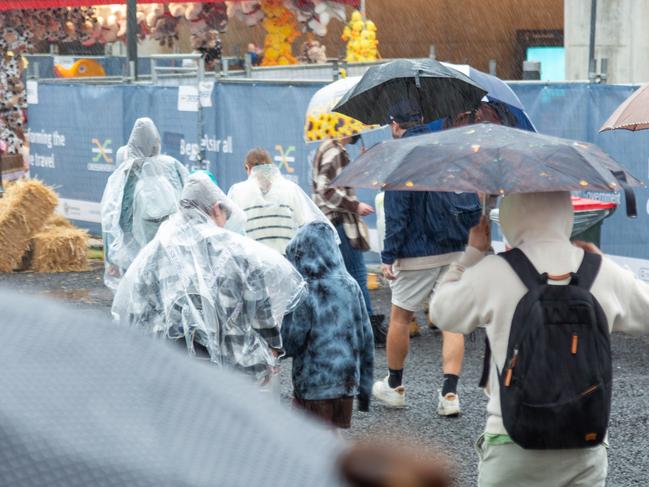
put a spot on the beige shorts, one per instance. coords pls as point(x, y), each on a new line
point(411, 288)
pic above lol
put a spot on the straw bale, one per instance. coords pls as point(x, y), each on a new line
point(58, 220)
point(60, 249)
point(25, 208)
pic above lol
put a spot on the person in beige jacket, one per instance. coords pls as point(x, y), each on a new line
point(483, 290)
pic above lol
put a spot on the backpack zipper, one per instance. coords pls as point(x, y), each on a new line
point(510, 370)
point(575, 342)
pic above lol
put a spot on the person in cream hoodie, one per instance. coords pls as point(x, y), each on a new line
point(483, 290)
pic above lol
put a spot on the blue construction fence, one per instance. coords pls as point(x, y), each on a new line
point(75, 130)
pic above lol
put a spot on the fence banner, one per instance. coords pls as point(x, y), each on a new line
point(75, 130)
point(577, 111)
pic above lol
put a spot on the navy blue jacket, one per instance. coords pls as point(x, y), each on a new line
point(329, 334)
point(420, 223)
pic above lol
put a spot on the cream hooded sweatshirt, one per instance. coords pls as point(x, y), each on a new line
point(484, 290)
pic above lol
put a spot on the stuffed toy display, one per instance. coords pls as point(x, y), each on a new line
point(280, 24)
point(314, 15)
point(206, 21)
point(284, 21)
point(360, 36)
point(14, 41)
point(313, 52)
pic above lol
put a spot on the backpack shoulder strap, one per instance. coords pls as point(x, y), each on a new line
point(587, 271)
point(486, 363)
point(524, 268)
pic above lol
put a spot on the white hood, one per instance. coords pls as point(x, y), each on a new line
point(536, 217)
point(540, 224)
point(144, 140)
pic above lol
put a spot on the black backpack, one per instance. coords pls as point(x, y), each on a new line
point(555, 388)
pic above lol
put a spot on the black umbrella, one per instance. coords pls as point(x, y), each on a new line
point(437, 90)
point(490, 159)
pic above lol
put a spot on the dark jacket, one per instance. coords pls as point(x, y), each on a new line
point(420, 223)
point(328, 335)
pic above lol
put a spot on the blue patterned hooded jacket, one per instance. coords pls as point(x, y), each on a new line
point(328, 335)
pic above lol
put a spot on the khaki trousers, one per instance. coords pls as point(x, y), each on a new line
point(512, 466)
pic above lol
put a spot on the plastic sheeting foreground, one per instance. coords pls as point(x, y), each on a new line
point(75, 129)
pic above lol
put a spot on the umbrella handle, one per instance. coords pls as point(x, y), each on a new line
point(629, 195)
point(484, 202)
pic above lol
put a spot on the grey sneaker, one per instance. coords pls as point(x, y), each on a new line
point(448, 405)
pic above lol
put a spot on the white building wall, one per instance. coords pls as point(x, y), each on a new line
point(622, 36)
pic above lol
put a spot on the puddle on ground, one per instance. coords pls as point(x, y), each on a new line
point(82, 295)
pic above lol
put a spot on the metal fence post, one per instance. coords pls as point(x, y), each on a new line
point(131, 34)
point(201, 68)
point(492, 67)
point(154, 71)
point(603, 70)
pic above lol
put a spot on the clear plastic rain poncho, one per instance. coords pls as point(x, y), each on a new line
point(224, 294)
point(140, 194)
point(274, 206)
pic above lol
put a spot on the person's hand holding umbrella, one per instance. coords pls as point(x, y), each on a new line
point(480, 235)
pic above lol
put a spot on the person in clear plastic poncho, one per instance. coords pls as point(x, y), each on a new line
point(141, 193)
point(223, 294)
point(274, 206)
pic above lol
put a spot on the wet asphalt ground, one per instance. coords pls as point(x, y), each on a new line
point(419, 423)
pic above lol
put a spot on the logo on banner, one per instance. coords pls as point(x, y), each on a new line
point(102, 160)
point(284, 158)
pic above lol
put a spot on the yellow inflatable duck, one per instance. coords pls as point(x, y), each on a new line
point(80, 69)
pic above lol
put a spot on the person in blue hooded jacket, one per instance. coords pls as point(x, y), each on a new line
point(328, 335)
point(424, 233)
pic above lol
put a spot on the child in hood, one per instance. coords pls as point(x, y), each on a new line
point(328, 335)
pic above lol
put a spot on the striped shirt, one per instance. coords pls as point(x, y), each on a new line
point(271, 223)
point(274, 206)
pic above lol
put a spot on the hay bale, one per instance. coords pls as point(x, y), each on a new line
point(58, 220)
point(60, 249)
point(25, 208)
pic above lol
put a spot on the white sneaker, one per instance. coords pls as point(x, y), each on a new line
point(394, 398)
point(448, 405)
